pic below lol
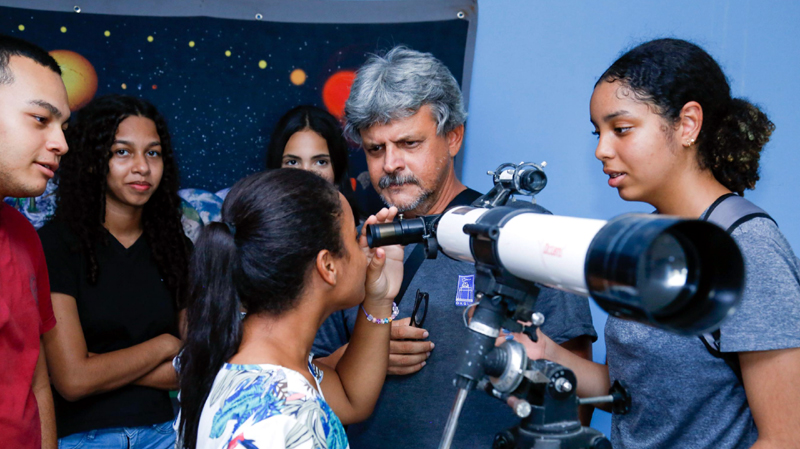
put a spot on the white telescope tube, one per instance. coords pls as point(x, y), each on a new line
point(549, 249)
point(450, 232)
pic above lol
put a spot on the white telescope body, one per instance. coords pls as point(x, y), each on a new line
point(685, 276)
point(548, 249)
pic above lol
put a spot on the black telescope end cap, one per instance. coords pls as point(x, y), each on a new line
point(717, 282)
point(684, 276)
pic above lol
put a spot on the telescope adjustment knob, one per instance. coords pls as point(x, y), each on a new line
point(504, 440)
point(563, 385)
point(522, 408)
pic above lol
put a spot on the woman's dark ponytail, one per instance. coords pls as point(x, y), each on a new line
point(733, 151)
point(213, 318)
point(668, 73)
point(275, 224)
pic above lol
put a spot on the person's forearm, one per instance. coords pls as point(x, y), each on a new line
point(362, 368)
point(593, 379)
point(44, 400)
point(582, 347)
point(106, 372)
point(163, 377)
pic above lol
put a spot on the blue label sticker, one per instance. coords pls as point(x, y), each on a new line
point(465, 295)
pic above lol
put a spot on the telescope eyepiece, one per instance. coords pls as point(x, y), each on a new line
point(398, 232)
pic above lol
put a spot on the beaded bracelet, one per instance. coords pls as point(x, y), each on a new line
point(395, 312)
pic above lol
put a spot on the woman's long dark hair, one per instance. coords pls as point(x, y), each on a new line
point(82, 186)
point(312, 118)
point(274, 225)
point(668, 73)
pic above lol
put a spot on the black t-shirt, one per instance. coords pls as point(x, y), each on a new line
point(130, 304)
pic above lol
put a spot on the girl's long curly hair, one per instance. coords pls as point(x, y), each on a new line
point(82, 186)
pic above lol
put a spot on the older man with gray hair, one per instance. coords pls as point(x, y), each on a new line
point(406, 110)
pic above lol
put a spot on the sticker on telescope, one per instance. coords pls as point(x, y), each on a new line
point(465, 295)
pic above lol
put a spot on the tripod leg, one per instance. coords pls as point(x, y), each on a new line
point(452, 420)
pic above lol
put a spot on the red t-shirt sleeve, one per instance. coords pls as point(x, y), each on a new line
point(27, 235)
point(46, 315)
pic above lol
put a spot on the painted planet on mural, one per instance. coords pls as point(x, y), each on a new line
point(336, 90)
point(190, 219)
point(223, 193)
point(207, 204)
point(37, 210)
point(79, 77)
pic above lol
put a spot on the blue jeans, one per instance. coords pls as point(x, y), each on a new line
point(155, 436)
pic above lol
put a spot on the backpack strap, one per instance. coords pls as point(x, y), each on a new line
point(712, 344)
point(728, 212)
point(731, 210)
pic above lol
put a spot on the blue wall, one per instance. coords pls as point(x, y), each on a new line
point(537, 61)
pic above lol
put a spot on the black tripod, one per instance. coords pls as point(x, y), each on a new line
point(543, 392)
point(549, 411)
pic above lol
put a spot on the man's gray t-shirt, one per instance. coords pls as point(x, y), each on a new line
point(682, 395)
point(412, 410)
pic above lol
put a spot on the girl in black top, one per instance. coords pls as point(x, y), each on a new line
point(117, 259)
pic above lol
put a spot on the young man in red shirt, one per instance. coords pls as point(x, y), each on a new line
point(33, 115)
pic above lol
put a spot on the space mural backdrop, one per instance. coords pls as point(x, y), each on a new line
point(222, 84)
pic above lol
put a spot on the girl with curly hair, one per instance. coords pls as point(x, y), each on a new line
point(117, 259)
point(671, 135)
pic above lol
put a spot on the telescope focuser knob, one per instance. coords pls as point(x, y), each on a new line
point(563, 385)
point(522, 408)
point(622, 399)
point(504, 440)
point(618, 396)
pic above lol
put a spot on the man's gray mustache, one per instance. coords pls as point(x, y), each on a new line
point(396, 180)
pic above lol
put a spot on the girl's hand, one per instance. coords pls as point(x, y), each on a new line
point(385, 270)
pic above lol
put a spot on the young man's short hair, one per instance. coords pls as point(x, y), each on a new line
point(12, 46)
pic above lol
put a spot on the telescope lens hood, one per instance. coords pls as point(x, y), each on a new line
point(685, 276)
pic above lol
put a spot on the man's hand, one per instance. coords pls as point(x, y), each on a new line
point(535, 350)
point(407, 351)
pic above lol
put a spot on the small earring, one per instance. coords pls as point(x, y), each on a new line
point(689, 143)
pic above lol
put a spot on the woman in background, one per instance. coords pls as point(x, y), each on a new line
point(288, 254)
point(118, 260)
point(310, 138)
point(671, 135)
